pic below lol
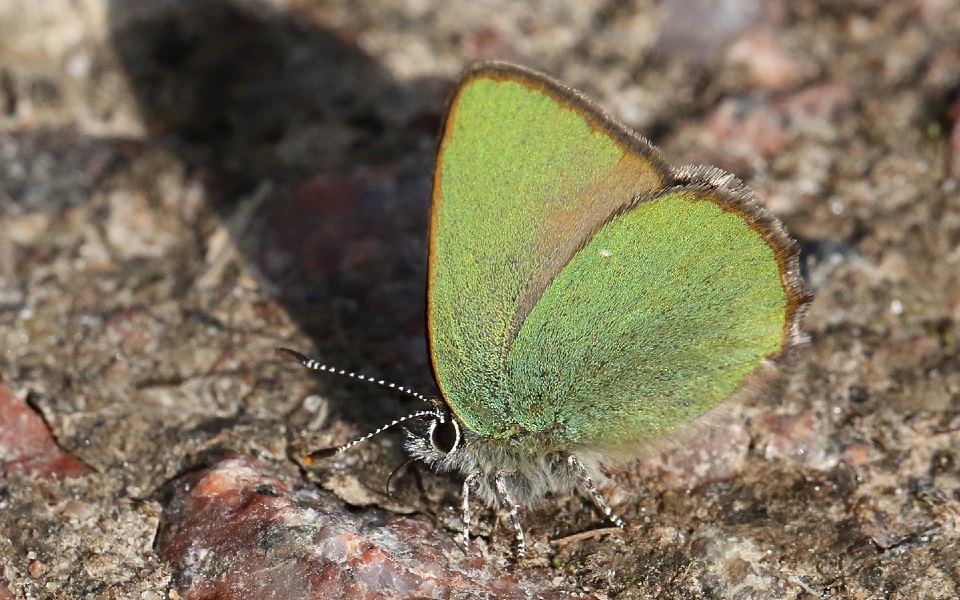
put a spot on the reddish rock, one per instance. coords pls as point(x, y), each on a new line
point(486, 43)
point(237, 530)
point(932, 11)
point(700, 456)
point(766, 63)
point(857, 453)
point(746, 129)
point(796, 437)
point(26, 444)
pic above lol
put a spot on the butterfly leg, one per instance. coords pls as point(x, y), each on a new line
point(588, 483)
point(514, 513)
point(465, 506)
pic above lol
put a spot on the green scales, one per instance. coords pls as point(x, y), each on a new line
point(585, 299)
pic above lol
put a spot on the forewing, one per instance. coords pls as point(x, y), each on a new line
point(526, 171)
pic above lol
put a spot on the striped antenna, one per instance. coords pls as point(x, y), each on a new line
point(325, 452)
point(316, 366)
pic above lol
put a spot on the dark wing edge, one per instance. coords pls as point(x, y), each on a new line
point(737, 197)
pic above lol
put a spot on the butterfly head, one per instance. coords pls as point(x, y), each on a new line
point(443, 433)
point(436, 439)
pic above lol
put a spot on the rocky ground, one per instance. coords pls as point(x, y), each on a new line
point(185, 185)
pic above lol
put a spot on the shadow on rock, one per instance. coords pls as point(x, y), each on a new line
point(316, 160)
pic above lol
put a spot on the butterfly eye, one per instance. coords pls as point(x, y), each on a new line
point(444, 435)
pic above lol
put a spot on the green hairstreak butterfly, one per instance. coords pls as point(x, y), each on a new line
point(585, 299)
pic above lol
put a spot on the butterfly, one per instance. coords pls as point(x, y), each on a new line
point(584, 299)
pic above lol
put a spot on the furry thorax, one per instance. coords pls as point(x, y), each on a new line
point(528, 473)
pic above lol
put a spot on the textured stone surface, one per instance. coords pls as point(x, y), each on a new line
point(185, 185)
point(235, 530)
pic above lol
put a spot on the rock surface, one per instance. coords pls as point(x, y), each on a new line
point(185, 185)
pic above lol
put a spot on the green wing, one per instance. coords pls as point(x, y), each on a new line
point(578, 287)
point(658, 319)
point(526, 171)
